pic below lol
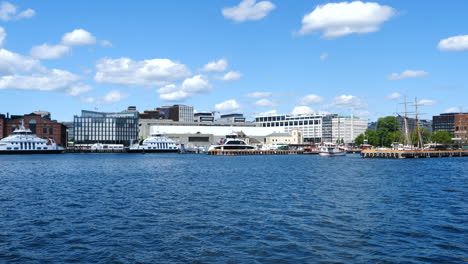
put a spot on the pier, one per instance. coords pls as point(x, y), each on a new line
point(234, 152)
point(412, 154)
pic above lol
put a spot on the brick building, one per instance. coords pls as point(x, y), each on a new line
point(461, 126)
point(40, 126)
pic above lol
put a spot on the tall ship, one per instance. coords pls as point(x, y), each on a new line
point(231, 143)
point(23, 141)
point(155, 144)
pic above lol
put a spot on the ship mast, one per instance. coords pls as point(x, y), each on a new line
point(405, 118)
point(418, 131)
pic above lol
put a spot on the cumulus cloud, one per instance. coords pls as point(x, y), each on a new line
point(2, 36)
point(268, 113)
point(45, 81)
point(259, 94)
point(228, 106)
point(220, 65)
point(46, 51)
point(11, 63)
point(456, 43)
point(426, 102)
point(310, 99)
point(230, 76)
point(78, 89)
point(393, 96)
point(78, 37)
point(324, 56)
point(197, 84)
point(339, 19)
point(248, 10)
point(153, 72)
point(88, 99)
point(453, 110)
point(362, 113)
point(407, 74)
point(113, 96)
point(302, 110)
point(347, 101)
point(266, 103)
point(9, 11)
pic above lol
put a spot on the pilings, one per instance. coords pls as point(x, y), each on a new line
point(254, 152)
point(412, 154)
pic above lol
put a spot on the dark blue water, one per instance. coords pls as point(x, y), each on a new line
point(170, 208)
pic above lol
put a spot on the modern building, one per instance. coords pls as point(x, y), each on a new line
point(108, 128)
point(426, 124)
point(232, 118)
point(182, 113)
point(40, 125)
point(204, 117)
point(310, 124)
point(461, 127)
point(444, 122)
point(342, 129)
point(295, 137)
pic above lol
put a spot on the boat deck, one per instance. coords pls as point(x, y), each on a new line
point(254, 152)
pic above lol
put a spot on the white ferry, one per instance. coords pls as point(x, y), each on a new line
point(24, 142)
point(231, 143)
point(155, 143)
point(330, 149)
point(100, 146)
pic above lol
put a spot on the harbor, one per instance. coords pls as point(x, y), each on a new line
point(412, 154)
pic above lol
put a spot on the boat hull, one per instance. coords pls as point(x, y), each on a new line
point(29, 152)
point(153, 151)
point(332, 154)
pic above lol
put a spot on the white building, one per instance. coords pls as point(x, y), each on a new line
point(343, 128)
point(295, 137)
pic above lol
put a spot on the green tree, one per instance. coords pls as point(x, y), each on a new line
point(441, 137)
point(371, 137)
point(387, 130)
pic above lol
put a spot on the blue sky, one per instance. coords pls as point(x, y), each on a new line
point(246, 56)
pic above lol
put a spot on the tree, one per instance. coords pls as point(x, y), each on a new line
point(371, 137)
point(441, 137)
point(387, 130)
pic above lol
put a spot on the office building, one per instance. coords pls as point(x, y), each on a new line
point(108, 128)
point(461, 127)
point(426, 124)
point(232, 118)
point(444, 122)
point(342, 129)
point(204, 117)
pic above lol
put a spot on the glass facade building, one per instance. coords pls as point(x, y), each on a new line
point(107, 128)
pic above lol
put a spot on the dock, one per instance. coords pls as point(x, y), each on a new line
point(412, 154)
point(234, 152)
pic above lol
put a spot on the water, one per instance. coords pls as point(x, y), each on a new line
point(170, 208)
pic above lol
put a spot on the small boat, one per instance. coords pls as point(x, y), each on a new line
point(23, 141)
point(155, 144)
point(330, 149)
point(232, 142)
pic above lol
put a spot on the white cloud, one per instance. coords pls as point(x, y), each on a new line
point(426, 102)
point(456, 43)
point(105, 43)
point(362, 113)
point(78, 89)
point(339, 19)
point(454, 110)
point(268, 113)
point(113, 96)
point(259, 94)
point(78, 37)
point(220, 65)
point(45, 81)
point(248, 10)
point(9, 11)
point(154, 72)
point(301, 110)
point(407, 74)
point(230, 76)
point(393, 96)
point(324, 56)
point(2, 36)
point(46, 51)
point(88, 99)
point(310, 99)
point(11, 62)
point(347, 101)
point(266, 103)
point(228, 106)
point(196, 84)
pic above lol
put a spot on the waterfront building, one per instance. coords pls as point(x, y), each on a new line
point(204, 117)
point(310, 124)
point(295, 137)
point(107, 128)
point(444, 122)
point(39, 124)
point(342, 129)
point(461, 127)
point(426, 124)
point(232, 118)
point(183, 113)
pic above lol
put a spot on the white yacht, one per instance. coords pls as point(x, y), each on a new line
point(231, 143)
point(155, 143)
point(330, 149)
point(23, 141)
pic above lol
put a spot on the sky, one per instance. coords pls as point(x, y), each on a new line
point(226, 56)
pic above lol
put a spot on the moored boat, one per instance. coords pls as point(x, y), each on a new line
point(330, 149)
point(155, 144)
point(232, 142)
